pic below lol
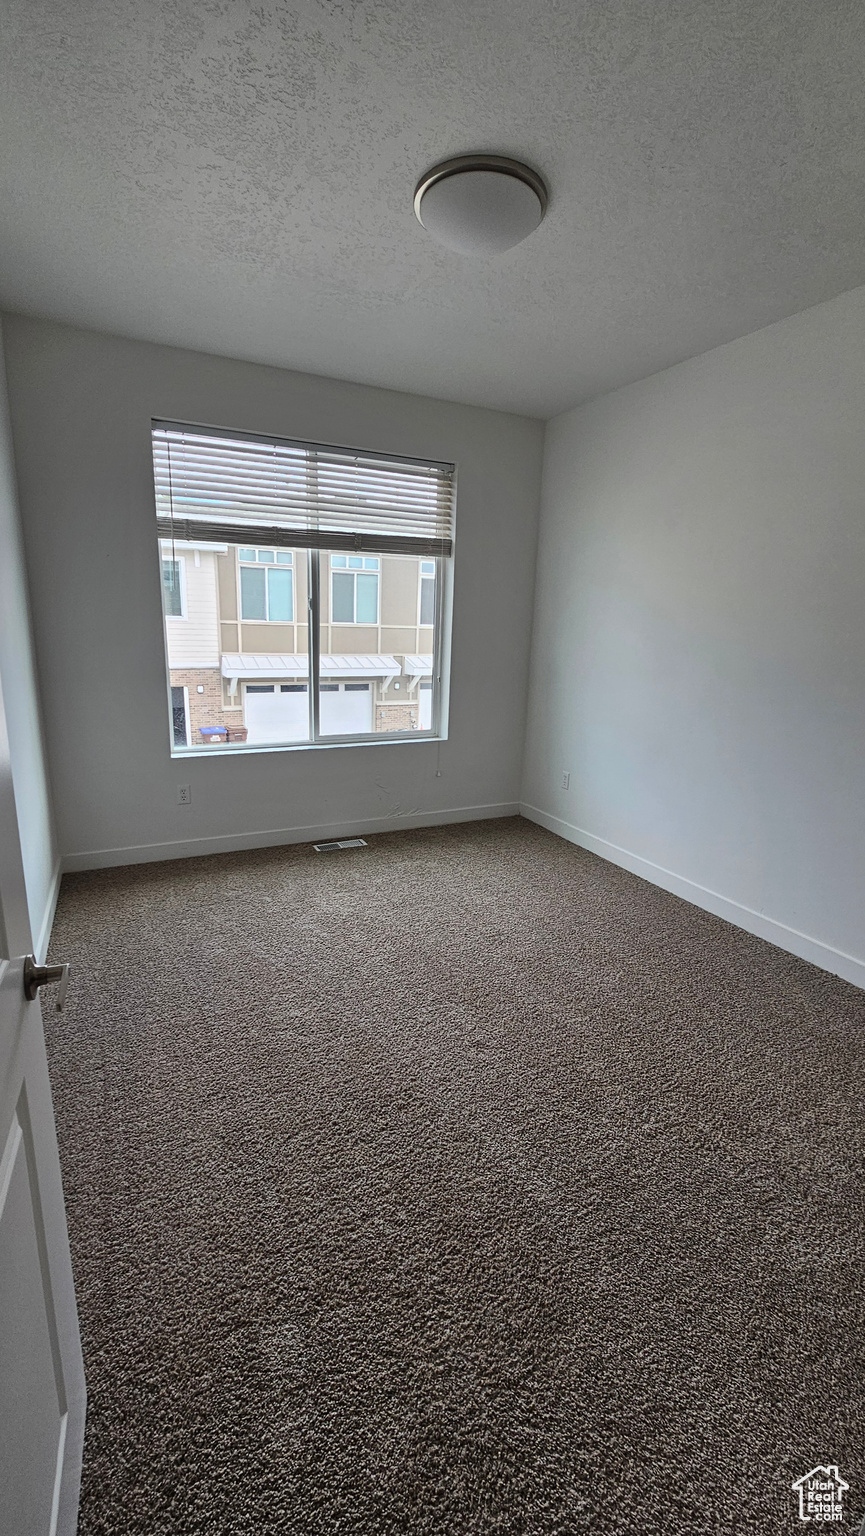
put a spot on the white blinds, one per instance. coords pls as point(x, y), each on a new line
point(213, 485)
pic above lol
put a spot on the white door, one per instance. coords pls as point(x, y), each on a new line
point(345, 709)
point(42, 1393)
point(276, 712)
point(425, 706)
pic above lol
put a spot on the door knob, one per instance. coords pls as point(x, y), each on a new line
point(36, 976)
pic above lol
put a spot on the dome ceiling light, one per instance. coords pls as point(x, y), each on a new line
point(480, 204)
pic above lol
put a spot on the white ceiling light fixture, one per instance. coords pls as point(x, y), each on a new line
point(480, 205)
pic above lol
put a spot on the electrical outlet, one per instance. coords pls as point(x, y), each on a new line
point(566, 781)
point(184, 794)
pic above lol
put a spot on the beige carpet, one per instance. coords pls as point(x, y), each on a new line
point(460, 1184)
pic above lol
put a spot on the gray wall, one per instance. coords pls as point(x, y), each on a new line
point(81, 405)
point(20, 693)
point(699, 648)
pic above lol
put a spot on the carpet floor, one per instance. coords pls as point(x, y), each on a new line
point(460, 1184)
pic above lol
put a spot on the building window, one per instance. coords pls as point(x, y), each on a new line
point(427, 612)
point(172, 588)
point(333, 542)
point(354, 589)
point(267, 585)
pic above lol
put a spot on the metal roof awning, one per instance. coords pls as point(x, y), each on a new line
point(250, 664)
point(417, 666)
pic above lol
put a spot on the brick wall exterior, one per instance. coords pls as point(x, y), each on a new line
point(204, 708)
point(397, 717)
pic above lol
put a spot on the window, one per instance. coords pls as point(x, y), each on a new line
point(354, 589)
point(172, 588)
point(267, 585)
point(296, 549)
point(427, 592)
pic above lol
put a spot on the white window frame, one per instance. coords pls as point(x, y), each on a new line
point(314, 618)
point(437, 729)
point(265, 565)
point(343, 570)
point(165, 556)
point(420, 581)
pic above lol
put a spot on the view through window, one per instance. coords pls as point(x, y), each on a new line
point(272, 643)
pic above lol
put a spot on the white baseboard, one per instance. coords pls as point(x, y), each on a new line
point(796, 943)
point(42, 938)
point(195, 847)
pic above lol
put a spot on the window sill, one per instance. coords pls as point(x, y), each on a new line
point(238, 749)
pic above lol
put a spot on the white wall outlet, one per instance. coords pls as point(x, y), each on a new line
point(184, 794)
point(566, 781)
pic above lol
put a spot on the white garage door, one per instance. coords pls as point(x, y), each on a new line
point(345, 709)
point(276, 712)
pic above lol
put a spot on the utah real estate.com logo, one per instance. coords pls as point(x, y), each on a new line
point(820, 1494)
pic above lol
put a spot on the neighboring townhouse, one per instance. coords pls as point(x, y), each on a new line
point(237, 637)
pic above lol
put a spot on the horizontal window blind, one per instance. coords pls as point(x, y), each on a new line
point(237, 489)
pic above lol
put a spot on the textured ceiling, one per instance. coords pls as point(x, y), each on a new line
point(238, 177)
